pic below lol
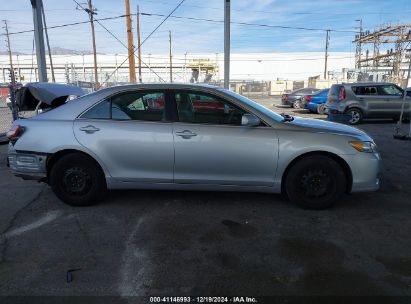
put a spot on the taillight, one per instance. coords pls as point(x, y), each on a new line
point(342, 94)
point(308, 98)
point(285, 97)
point(14, 132)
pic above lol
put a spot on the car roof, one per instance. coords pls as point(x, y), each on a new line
point(73, 108)
point(365, 83)
point(164, 86)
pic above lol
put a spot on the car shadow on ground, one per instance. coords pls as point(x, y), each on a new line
point(225, 199)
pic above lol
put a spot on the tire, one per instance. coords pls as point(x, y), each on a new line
point(315, 182)
point(296, 104)
point(321, 109)
point(356, 116)
point(77, 180)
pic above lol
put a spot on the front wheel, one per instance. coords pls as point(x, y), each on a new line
point(355, 116)
point(315, 182)
point(77, 180)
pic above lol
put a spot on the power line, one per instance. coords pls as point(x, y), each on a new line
point(285, 12)
point(67, 24)
point(115, 37)
point(158, 26)
point(253, 24)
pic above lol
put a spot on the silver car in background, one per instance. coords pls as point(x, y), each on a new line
point(368, 100)
point(189, 137)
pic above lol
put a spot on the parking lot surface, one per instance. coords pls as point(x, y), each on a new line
point(174, 243)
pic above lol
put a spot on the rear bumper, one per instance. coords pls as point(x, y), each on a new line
point(27, 165)
point(287, 102)
point(311, 106)
point(335, 107)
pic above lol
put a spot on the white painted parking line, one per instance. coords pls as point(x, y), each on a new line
point(132, 279)
point(49, 217)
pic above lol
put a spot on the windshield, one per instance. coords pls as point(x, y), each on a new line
point(262, 109)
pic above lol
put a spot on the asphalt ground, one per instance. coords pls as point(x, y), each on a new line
point(176, 243)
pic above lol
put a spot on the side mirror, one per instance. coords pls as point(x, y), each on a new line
point(250, 120)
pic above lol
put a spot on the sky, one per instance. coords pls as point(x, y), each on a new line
point(194, 36)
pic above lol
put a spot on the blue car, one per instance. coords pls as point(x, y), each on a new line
point(315, 103)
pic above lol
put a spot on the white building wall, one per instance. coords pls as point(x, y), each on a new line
point(244, 66)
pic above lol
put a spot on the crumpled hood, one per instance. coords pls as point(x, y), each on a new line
point(47, 92)
point(328, 126)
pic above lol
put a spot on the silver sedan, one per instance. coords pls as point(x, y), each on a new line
point(189, 137)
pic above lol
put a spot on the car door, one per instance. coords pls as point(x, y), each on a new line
point(130, 133)
point(393, 97)
point(370, 100)
point(212, 147)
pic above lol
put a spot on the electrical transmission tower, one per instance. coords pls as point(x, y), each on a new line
point(388, 54)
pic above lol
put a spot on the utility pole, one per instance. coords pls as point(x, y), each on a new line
point(39, 39)
point(359, 45)
point(48, 44)
point(149, 67)
point(185, 67)
point(171, 58)
point(140, 77)
point(409, 66)
point(131, 61)
point(227, 44)
point(91, 11)
point(327, 41)
point(12, 76)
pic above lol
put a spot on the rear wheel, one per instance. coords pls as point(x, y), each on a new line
point(321, 109)
point(296, 104)
point(355, 116)
point(77, 180)
point(315, 182)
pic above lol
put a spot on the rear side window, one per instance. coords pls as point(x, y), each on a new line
point(100, 111)
point(335, 89)
point(136, 105)
point(322, 92)
point(365, 90)
point(147, 106)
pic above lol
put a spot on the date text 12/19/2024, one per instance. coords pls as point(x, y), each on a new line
point(203, 300)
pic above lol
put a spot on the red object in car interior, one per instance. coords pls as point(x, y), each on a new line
point(342, 94)
point(14, 132)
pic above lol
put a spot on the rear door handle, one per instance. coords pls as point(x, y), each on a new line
point(89, 129)
point(186, 134)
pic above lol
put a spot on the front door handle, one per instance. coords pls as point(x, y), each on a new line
point(89, 129)
point(186, 134)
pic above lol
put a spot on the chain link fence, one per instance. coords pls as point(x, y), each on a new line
point(6, 117)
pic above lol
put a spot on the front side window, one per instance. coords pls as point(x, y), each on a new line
point(207, 109)
point(390, 90)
